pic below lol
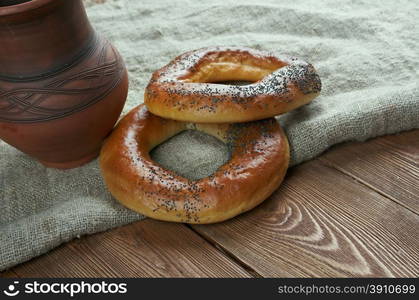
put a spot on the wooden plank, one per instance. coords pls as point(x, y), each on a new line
point(405, 143)
point(146, 248)
point(322, 223)
point(8, 274)
point(387, 164)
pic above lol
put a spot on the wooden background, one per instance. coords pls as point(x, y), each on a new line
point(352, 212)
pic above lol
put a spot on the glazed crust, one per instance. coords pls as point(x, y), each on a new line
point(258, 163)
point(186, 89)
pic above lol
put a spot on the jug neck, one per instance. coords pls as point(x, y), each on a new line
point(40, 37)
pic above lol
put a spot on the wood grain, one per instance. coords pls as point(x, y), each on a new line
point(9, 274)
point(144, 249)
point(322, 223)
point(405, 144)
point(388, 164)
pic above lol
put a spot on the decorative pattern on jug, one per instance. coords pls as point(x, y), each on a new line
point(74, 87)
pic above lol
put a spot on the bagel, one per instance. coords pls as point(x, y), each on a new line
point(186, 89)
point(258, 163)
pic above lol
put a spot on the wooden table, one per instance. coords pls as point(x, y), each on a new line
point(351, 212)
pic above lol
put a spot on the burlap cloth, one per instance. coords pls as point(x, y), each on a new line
point(366, 53)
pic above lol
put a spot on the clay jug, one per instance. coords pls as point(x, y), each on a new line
point(62, 85)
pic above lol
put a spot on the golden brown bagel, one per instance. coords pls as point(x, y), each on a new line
point(185, 89)
point(259, 160)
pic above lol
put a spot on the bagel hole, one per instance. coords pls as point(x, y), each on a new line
point(230, 69)
point(191, 154)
